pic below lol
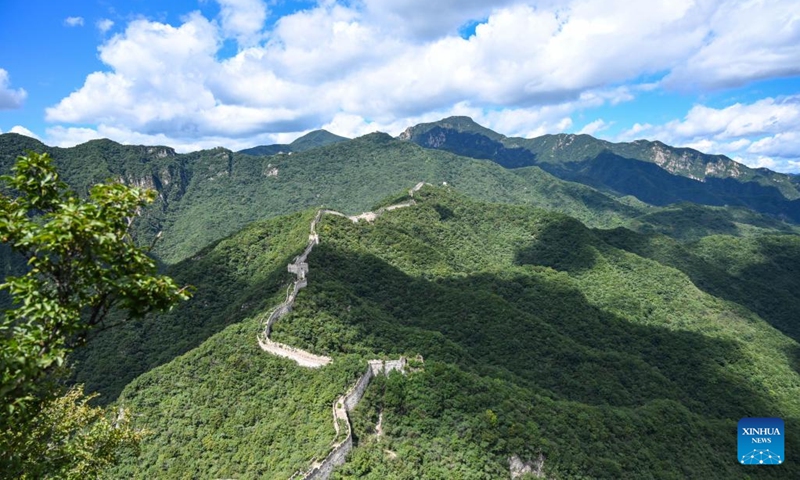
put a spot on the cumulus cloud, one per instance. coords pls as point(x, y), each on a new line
point(104, 25)
point(364, 65)
point(243, 19)
point(23, 131)
point(166, 79)
point(73, 21)
point(782, 145)
point(592, 128)
point(745, 41)
point(61, 136)
point(422, 20)
point(763, 133)
point(10, 98)
point(157, 82)
point(764, 116)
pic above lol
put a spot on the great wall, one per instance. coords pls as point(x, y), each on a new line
point(321, 470)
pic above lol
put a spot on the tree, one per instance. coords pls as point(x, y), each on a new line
point(68, 438)
point(82, 263)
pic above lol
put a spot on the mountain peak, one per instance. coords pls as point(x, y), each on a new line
point(316, 138)
point(377, 137)
point(313, 139)
point(460, 124)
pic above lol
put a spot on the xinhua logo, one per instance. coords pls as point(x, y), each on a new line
point(761, 441)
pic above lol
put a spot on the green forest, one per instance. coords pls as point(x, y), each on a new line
point(575, 327)
point(610, 353)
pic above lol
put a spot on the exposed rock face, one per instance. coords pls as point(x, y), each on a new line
point(161, 152)
point(692, 165)
point(436, 140)
point(519, 468)
point(407, 134)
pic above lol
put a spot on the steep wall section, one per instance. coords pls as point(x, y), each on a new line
point(346, 403)
point(321, 470)
point(299, 267)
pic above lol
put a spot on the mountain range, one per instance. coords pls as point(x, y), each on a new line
point(209, 194)
point(578, 307)
point(317, 138)
point(651, 171)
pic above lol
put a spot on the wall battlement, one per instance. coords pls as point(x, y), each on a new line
point(321, 470)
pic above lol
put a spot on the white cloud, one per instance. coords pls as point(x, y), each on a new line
point(23, 131)
point(364, 65)
point(425, 20)
point(73, 21)
point(243, 19)
point(104, 25)
point(592, 128)
point(763, 133)
point(745, 41)
point(157, 84)
point(10, 98)
point(634, 132)
point(758, 162)
point(782, 145)
point(70, 136)
point(167, 79)
point(764, 116)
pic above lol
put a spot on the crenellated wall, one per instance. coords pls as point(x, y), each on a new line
point(321, 470)
point(352, 398)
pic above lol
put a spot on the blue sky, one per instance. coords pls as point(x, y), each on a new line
point(719, 76)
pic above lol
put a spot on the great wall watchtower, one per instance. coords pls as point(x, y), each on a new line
point(321, 470)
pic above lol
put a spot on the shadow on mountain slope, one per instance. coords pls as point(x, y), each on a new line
point(235, 278)
point(652, 184)
point(534, 328)
point(650, 389)
point(759, 273)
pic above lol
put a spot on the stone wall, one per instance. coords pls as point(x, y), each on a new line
point(352, 398)
point(337, 457)
point(338, 454)
point(348, 401)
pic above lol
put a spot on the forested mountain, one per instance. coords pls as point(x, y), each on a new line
point(651, 171)
point(593, 330)
point(317, 138)
point(206, 195)
point(606, 353)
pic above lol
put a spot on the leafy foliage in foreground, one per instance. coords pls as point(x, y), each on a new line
point(71, 439)
point(82, 262)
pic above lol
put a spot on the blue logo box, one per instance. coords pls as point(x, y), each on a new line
point(761, 441)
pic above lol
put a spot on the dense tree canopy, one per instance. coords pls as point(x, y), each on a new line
point(82, 262)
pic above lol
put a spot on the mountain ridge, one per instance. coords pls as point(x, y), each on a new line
point(587, 145)
point(208, 194)
point(649, 170)
point(313, 139)
point(540, 336)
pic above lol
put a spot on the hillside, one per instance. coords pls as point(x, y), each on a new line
point(317, 138)
point(651, 171)
point(603, 353)
point(206, 195)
